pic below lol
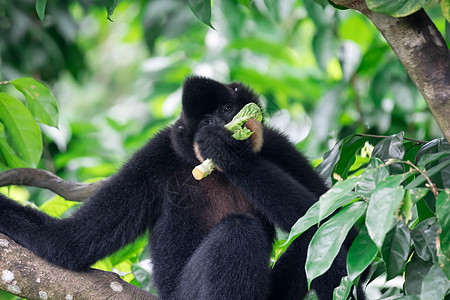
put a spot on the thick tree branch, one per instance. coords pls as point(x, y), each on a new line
point(423, 52)
point(73, 191)
point(27, 275)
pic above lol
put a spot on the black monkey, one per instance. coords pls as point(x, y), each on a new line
point(210, 239)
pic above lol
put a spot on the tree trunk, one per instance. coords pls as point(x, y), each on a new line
point(423, 52)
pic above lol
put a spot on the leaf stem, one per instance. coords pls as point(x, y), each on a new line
point(4, 82)
point(384, 136)
point(431, 184)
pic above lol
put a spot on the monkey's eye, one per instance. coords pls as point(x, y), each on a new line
point(227, 109)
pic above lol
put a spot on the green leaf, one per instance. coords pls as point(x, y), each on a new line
point(110, 7)
point(340, 158)
point(328, 239)
point(415, 272)
point(313, 215)
point(445, 6)
point(337, 196)
point(376, 270)
point(428, 158)
point(417, 194)
point(407, 205)
point(426, 207)
point(40, 100)
point(245, 2)
point(424, 237)
point(21, 129)
point(384, 201)
point(326, 167)
point(7, 154)
point(443, 216)
point(409, 297)
point(343, 290)
point(442, 178)
point(395, 249)
point(389, 148)
point(348, 155)
point(444, 263)
point(435, 284)
point(397, 8)
point(202, 10)
point(310, 218)
point(361, 254)
point(40, 8)
point(56, 206)
point(365, 187)
point(311, 296)
point(130, 251)
point(433, 146)
point(421, 179)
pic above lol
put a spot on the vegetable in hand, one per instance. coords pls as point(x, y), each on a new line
point(240, 132)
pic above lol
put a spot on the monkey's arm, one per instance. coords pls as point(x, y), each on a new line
point(279, 150)
point(270, 188)
point(119, 211)
point(273, 192)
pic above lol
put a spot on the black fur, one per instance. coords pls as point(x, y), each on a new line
point(210, 239)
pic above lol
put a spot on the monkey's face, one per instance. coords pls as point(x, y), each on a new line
point(206, 102)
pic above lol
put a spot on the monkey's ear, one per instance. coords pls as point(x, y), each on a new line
point(257, 138)
point(202, 96)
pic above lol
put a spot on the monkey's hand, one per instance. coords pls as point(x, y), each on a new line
point(217, 144)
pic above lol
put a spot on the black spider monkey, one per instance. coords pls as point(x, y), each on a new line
point(209, 239)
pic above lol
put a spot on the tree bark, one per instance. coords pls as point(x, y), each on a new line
point(27, 275)
point(423, 52)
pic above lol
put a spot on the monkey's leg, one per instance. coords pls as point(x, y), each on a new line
point(231, 263)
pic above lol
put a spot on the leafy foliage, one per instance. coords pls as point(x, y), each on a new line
point(396, 8)
point(390, 231)
point(20, 136)
point(40, 100)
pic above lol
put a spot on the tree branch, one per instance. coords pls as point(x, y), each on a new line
point(73, 191)
point(27, 275)
point(423, 52)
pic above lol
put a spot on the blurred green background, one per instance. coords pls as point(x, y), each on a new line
point(322, 73)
